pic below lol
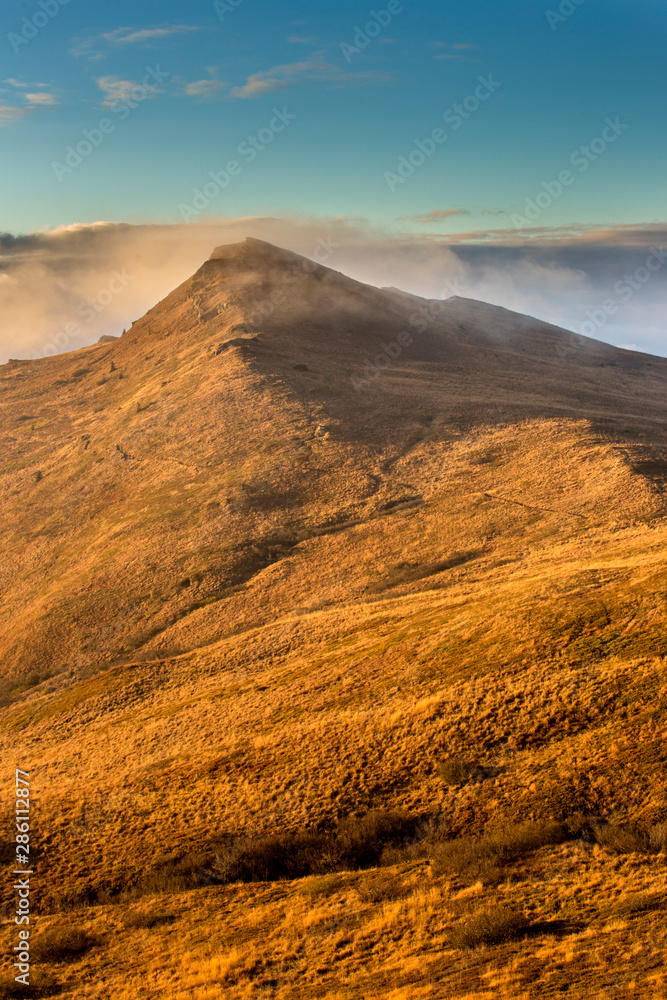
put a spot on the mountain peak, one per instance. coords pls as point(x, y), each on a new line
point(258, 252)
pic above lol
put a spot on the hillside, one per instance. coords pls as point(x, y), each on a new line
point(272, 559)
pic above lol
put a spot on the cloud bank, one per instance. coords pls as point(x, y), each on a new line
point(63, 289)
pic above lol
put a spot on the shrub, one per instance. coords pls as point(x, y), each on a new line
point(42, 984)
point(658, 837)
point(189, 872)
point(455, 770)
point(77, 896)
point(468, 858)
point(11, 989)
point(135, 920)
point(491, 925)
point(7, 852)
point(620, 839)
point(62, 944)
point(39, 475)
point(407, 572)
point(380, 888)
point(485, 857)
point(10, 689)
point(360, 842)
point(355, 844)
point(321, 885)
point(514, 841)
point(273, 859)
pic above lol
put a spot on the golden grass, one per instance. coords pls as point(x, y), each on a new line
point(315, 692)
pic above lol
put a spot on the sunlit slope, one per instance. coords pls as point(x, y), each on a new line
point(243, 595)
point(515, 614)
point(144, 480)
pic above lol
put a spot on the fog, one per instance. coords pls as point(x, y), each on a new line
point(63, 289)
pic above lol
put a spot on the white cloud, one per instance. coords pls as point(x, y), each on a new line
point(437, 215)
point(117, 91)
point(96, 47)
point(42, 100)
point(12, 113)
point(204, 88)
point(20, 85)
point(130, 36)
point(9, 114)
point(456, 51)
point(315, 69)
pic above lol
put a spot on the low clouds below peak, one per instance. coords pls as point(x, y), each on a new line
point(63, 289)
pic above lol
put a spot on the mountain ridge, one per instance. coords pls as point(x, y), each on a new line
point(270, 569)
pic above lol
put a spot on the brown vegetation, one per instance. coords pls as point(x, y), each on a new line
point(323, 693)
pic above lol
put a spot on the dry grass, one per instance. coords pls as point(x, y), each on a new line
point(562, 920)
point(277, 695)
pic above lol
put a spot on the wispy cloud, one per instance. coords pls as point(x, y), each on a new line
point(437, 215)
point(20, 85)
point(42, 100)
point(117, 91)
point(301, 40)
point(30, 101)
point(97, 46)
point(204, 88)
point(458, 51)
point(456, 45)
point(9, 114)
point(133, 36)
point(315, 69)
point(550, 237)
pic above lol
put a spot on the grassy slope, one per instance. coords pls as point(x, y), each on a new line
point(267, 601)
point(540, 655)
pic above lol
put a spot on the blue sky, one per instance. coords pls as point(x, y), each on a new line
point(355, 114)
point(509, 151)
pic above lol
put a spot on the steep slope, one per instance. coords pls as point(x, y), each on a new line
point(265, 400)
point(263, 587)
